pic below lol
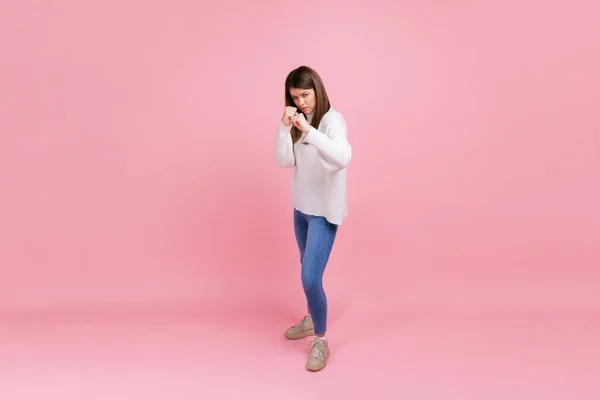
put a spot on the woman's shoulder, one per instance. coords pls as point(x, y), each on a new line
point(333, 115)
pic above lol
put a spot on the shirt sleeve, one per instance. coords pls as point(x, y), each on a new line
point(284, 148)
point(332, 144)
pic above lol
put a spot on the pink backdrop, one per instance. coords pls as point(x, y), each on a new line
point(137, 174)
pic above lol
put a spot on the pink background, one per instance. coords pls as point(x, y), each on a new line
point(137, 183)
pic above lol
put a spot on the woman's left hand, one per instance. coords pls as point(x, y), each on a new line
point(301, 123)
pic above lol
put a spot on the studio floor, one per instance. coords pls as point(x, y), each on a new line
point(394, 354)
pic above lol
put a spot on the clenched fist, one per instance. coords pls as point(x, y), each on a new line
point(300, 122)
point(288, 113)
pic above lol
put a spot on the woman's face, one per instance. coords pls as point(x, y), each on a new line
point(305, 99)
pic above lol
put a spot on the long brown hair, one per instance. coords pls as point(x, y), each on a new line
point(305, 77)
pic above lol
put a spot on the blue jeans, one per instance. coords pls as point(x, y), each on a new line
point(315, 237)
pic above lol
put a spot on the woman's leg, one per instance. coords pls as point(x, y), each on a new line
point(319, 243)
point(301, 232)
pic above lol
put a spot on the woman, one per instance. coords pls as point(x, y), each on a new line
point(312, 138)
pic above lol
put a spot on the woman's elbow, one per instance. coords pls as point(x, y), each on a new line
point(285, 162)
point(340, 163)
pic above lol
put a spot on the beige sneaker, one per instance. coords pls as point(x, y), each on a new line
point(301, 330)
point(318, 355)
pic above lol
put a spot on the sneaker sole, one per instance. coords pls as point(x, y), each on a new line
point(306, 334)
point(316, 370)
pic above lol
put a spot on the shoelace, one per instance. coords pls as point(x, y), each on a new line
point(301, 327)
point(317, 351)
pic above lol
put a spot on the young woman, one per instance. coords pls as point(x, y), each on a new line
point(312, 138)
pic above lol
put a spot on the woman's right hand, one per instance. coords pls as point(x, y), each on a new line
point(287, 114)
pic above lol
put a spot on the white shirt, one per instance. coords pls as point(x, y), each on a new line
point(320, 158)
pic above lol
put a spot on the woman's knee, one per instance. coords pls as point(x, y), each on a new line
point(311, 284)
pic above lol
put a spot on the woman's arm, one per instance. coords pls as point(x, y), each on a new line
point(332, 145)
point(284, 148)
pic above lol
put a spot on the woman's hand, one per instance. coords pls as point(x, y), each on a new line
point(288, 113)
point(301, 123)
